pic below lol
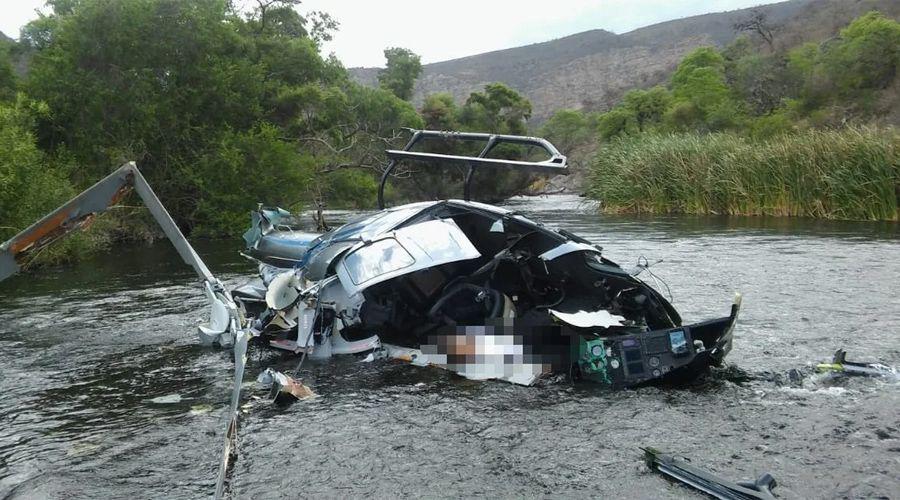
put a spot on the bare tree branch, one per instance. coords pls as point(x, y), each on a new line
point(758, 23)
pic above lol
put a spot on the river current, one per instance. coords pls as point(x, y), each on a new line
point(104, 392)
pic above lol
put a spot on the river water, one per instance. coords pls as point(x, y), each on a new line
point(104, 392)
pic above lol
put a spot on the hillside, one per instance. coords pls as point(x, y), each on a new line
point(591, 70)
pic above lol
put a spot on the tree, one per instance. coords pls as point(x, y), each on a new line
point(280, 18)
point(758, 24)
point(702, 99)
point(501, 110)
point(7, 74)
point(347, 129)
point(844, 74)
point(647, 106)
point(116, 92)
point(498, 109)
point(246, 168)
point(29, 187)
point(400, 74)
point(617, 122)
point(761, 81)
point(702, 57)
point(439, 112)
point(867, 55)
point(567, 129)
point(221, 111)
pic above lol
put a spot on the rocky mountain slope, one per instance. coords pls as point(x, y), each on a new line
point(591, 70)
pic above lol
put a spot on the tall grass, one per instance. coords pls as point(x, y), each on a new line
point(852, 173)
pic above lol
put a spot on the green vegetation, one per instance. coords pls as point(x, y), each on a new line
point(754, 130)
point(220, 108)
point(32, 184)
point(400, 73)
point(847, 174)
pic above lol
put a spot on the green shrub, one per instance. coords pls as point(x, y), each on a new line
point(31, 184)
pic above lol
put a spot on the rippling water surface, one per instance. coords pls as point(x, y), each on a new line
point(104, 392)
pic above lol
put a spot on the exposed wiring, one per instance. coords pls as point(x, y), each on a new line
point(643, 265)
point(659, 280)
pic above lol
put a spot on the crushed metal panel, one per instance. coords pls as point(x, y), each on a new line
point(317, 268)
point(406, 250)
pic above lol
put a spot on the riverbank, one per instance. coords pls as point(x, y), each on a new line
point(851, 174)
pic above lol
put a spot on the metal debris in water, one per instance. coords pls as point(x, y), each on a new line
point(707, 482)
point(839, 364)
point(283, 388)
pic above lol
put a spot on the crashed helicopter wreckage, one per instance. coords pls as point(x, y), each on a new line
point(466, 286)
point(477, 289)
point(470, 287)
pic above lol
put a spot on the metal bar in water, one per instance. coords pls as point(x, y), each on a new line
point(240, 360)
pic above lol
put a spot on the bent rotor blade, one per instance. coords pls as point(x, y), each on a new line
point(73, 215)
point(80, 211)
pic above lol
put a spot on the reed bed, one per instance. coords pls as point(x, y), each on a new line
point(851, 173)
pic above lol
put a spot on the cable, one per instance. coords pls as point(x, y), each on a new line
point(644, 265)
point(658, 280)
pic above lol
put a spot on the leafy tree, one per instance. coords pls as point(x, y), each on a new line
point(152, 80)
point(400, 74)
point(28, 186)
point(247, 168)
point(700, 58)
point(868, 54)
point(280, 18)
point(567, 129)
point(701, 96)
point(617, 122)
point(501, 110)
point(498, 109)
point(647, 106)
point(7, 75)
point(761, 82)
point(350, 128)
point(206, 101)
point(439, 112)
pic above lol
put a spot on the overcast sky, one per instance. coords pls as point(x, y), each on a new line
point(447, 29)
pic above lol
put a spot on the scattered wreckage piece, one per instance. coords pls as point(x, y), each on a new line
point(840, 365)
point(707, 482)
point(283, 388)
